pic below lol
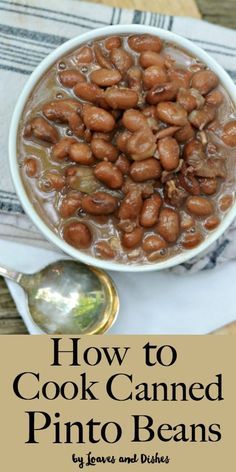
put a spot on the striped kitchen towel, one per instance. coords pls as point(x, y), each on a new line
point(31, 29)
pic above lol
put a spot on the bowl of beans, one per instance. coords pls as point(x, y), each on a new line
point(123, 148)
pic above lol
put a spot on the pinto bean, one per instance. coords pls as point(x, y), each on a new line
point(167, 132)
point(122, 140)
point(70, 203)
point(199, 206)
point(190, 99)
point(150, 210)
point(229, 133)
point(105, 77)
point(132, 239)
point(112, 42)
point(215, 98)
point(180, 77)
point(99, 203)
point(186, 221)
point(153, 243)
point(168, 225)
point(121, 59)
point(169, 153)
point(52, 180)
point(134, 78)
point(145, 42)
point(69, 78)
point(134, 120)
point(141, 145)
point(81, 154)
point(61, 149)
point(154, 75)
point(109, 174)
point(39, 128)
point(150, 112)
point(97, 119)
point(185, 133)
point(104, 250)
point(161, 93)
point(105, 136)
point(31, 166)
point(131, 205)
point(121, 98)
point(208, 186)
point(211, 222)
point(145, 170)
point(102, 59)
point(84, 55)
point(172, 113)
point(89, 92)
point(151, 58)
point(104, 150)
point(191, 239)
point(200, 118)
point(65, 111)
point(78, 235)
point(193, 148)
point(189, 183)
point(204, 81)
point(225, 202)
point(123, 164)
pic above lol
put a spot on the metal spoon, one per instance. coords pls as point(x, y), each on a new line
point(67, 297)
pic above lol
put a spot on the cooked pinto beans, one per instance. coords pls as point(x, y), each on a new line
point(109, 174)
point(78, 235)
point(145, 170)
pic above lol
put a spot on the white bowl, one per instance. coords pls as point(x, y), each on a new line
point(63, 50)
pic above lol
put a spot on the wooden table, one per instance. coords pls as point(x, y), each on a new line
point(215, 11)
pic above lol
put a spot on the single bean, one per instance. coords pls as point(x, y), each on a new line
point(215, 98)
point(145, 42)
point(211, 222)
point(208, 186)
point(104, 150)
point(102, 59)
point(229, 133)
point(61, 149)
point(151, 58)
point(145, 170)
point(225, 202)
point(89, 92)
point(105, 77)
point(167, 132)
point(121, 59)
point(69, 78)
point(134, 78)
point(39, 128)
point(169, 153)
point(204, 81)
point(162, 93)
point(180, 77)
point(191, 240)
point(133, 239)
point(121, 98)
point(168, 225)
point(185, 133)
point(134, 120)
point(200, 118)
point(190, 99)
point(131, 205)
point(150, 210)
point(99, 203)
point(78, 235)
point(52, 180)
point(123, 164)
point(186, 221)
point(157, 255)
point(31, 166)
point(70, 203)
point(141, 145)
point(84, 55)
point(122, 140)
point(199, 206)
point(154, 75)
point(109, 174)
point(193, 148)
point(97, 119)
point(81, 154)
point(172, 113)
point(112, 42)
point(153, 243)
point(104, 250)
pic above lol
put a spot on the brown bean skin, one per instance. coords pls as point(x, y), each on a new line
point(172, 113)
point(31, 166)
point(191, 240)
point(121, 98)
point(200, 118)
point(154, 75)
point(105, 136)
point(215, 98)
point(145, 42)
point(150, 210)
point(112, 42)
point(104, 150)
point(186, 221)
point(185, 133)
point(147, 169)
point(84, 55)
point(151, 58)
point(89, 92)
point(208, 186)
point(190, 99)
point(123, 164)
point(204, 81)
point(161, 93)
point(199, 206)
point(122, 140)
point(167, 132)
point(134, 78)
point(211, 222)
point(81, 154)
point(134, 120)
point(39, 128)
point(141, 145)
point(78, 235)
point(131, 205)
point(169, 153)
point(229, 133)
point(121, 59)
point(69, 78)
point(99, 203)
point(70, 203)
point(189, 183)
point(132, 239)
point(105, 77)
point(65, 111)
point(97, 119)
point(109, 174)
point(104, 250)
point(52, 180)
point(180, 77)
point(169, 225)
point(102, 60)
point(153, 243)
point(225, 202)
point(61, 149)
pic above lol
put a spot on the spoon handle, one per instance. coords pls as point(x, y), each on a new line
point(10, 274)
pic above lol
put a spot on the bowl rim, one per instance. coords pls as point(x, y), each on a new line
point(36, 75)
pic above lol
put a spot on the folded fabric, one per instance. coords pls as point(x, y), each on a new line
point(28, 32)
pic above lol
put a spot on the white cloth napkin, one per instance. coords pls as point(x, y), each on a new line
point(151, 303)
